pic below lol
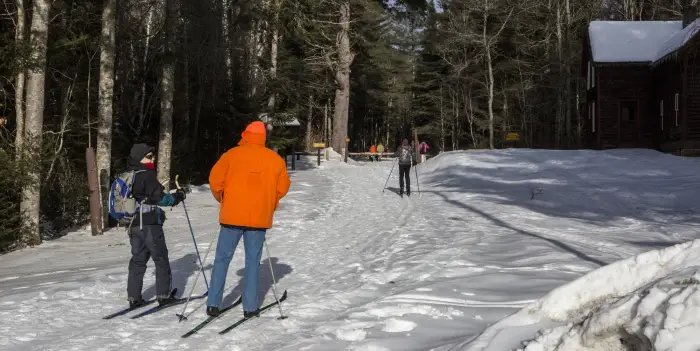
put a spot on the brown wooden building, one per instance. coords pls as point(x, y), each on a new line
point(643, 84)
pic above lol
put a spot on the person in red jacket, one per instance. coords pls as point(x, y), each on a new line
point(249, 181)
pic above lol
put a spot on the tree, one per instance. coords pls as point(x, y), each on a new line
point(167, 92)
point(106, 98)
point(341, 71)
point(35, 114)
point(20, 80)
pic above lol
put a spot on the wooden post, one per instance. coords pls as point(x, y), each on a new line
point(94, 186)
point(416, 145)
point(347, 151)
point(294, 160)
point(319, 156)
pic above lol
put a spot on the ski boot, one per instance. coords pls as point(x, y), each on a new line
point(136, 303)
point(247, 314)
point(213, 311)
point(162, 301)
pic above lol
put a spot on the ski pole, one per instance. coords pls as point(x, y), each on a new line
point(274, 281)
point(182, 316)
point(387, 178)
point(417, 182)
point(177, 184)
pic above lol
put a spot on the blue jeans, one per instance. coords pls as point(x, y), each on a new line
point(253, 240)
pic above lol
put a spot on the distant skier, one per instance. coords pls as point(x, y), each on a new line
point(373, 150)
point(146, 237)
point(406, 159)
point(424, 147)
point(380, 150)
point(249, 181)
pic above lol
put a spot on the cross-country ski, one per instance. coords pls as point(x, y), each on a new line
point(211, 319)
point(260, 311)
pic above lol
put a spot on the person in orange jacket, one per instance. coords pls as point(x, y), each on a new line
point(249, 181)
point(372, 149)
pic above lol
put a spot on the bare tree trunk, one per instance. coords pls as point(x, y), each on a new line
point(453, 121)
point(567, 81)
point(560, 92)
point(271, 100)
point(106, 98)
point(388, 123)
point(186, 77)
point(228, 57)
point(144, 63)
point(490, 82)
point(458, 125)
point(197, 109)
point(325, 124)
point(19, 84)
point(308, 141)
point(166, 103)
point(342, 78)
point(251, 58)
point(35, 114)
point(470, 117)
point(442, 121)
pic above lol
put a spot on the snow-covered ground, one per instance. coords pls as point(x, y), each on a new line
point(491, 233)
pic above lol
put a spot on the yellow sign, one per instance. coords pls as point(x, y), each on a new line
point(512, 136)
point(320, 145)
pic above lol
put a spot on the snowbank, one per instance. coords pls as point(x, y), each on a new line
point(204, 188)
point(646, 302)
point(334, 156)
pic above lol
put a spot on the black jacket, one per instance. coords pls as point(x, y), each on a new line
point(147, 188)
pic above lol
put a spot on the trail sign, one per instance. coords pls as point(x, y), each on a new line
point(318, 147)
point(512, 136)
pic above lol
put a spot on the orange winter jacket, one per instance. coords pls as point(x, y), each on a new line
point(373, 149)
point(249, 181)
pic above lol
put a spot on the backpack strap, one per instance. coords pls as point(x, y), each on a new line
point(131, 186)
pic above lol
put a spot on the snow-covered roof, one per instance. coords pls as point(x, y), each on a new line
point(678, 39)
point(293, 123)
point(630, 41)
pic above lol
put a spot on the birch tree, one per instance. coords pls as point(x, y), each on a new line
point(39, 30)
point(20, 80)
point(106, 97)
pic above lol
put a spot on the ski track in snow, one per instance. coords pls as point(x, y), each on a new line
point(366, 270)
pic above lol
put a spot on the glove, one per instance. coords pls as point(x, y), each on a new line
point(179, 196)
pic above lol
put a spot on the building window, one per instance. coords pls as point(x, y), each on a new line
point(677, 105)
point(628, 111)
point(661, 112)
point(593, 116)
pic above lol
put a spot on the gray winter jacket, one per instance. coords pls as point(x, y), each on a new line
point(405, 155)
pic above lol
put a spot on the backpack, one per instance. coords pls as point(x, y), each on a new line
point(122, 205)
point(405, 156)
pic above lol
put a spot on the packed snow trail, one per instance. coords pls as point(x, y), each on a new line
point(491, 232)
